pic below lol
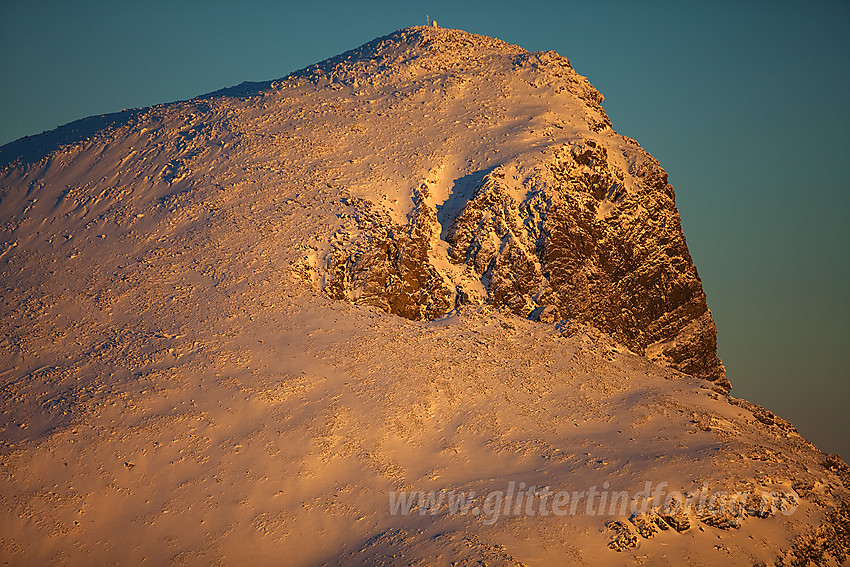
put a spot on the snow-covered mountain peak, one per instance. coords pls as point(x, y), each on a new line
point(201, 360)
point(473, 172)
point(505, 141)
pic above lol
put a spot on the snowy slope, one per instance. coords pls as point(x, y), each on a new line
point(182, 384)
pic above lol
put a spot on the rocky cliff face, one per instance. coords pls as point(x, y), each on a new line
point(573, 221)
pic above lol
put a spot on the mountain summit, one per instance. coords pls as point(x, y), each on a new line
point(415, 304)
point(482, 173)
point(475, 172)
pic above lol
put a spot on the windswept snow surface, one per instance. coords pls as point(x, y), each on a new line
point(179, 388)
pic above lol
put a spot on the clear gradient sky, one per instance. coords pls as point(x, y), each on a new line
point(745, 104)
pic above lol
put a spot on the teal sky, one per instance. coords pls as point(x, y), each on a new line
point(744, 104)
